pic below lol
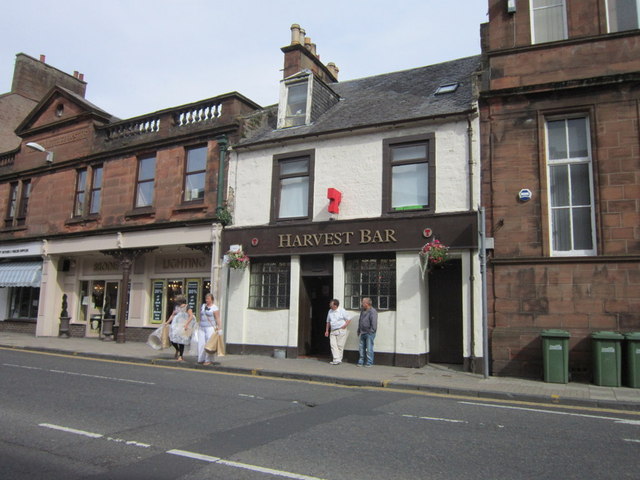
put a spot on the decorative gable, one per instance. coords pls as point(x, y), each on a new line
point(60, 106)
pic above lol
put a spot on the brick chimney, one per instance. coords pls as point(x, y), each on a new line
point(301, 55)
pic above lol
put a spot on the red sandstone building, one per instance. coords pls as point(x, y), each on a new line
point(560, 119)
point(94, 206)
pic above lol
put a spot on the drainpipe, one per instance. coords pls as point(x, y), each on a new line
point(483, 274)
point(223, 143)
point(471, 273)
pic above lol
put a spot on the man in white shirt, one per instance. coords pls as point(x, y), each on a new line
point(337, 320)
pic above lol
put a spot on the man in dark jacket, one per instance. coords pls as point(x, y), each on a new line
point(367, 326)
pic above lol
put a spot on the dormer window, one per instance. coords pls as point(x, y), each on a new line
point(296, 112)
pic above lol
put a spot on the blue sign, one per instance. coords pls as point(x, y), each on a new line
point(524, 195)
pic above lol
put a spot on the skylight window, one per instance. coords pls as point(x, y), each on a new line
point(447, 88)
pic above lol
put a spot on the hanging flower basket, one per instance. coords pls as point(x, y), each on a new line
point(237, 260)
point(433, 255)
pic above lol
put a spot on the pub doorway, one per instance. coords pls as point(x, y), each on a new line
point(316, 290)
point(445, 314)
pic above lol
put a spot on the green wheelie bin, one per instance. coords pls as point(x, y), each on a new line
point(632, 358)
point(607, 358)
point(555, 355)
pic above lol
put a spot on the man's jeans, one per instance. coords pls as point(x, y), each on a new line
point(366, 343)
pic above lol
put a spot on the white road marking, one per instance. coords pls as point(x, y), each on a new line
point(71, 430)
point(554, 412)
point(250, 396)
point(270, 471)
point(195, 456)
point(437, 419)
point(184, 453)
point(101, 377)
point(93, 435)
point(635, 440)
point(245, 466)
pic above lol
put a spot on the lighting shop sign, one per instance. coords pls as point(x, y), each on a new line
point(362, 237)
point(182, 264)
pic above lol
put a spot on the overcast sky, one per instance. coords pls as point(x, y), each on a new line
point(139, 56)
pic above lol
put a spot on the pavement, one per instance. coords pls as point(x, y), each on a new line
point(435, 379)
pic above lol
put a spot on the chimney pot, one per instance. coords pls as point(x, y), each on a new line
point(295, 33)
point(302, 34)
point(333, 69)
point(75, 74)
point(81, 77)
point(42, 58)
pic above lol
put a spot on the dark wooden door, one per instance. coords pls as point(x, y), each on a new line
point(445, 314)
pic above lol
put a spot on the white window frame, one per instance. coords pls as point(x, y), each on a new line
point(285, 120)
point(588, 160)
point(533, 9)
point(609, 20)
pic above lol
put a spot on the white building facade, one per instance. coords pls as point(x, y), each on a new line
point(399, 161)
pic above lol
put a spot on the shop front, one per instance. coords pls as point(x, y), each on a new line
point(281, 301)
point(20, 276)
point(127, 280)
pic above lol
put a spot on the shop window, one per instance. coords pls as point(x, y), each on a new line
point(409, 173)
point(23, 303)
point(19, 194)
point(373, 277)
point(548, 21)
point(194, 175)
point(88, 191)
point(293, 186)
point(623, 15)
point(570, 184)
point(146, 182)
point(164, 292)
point(269, 284)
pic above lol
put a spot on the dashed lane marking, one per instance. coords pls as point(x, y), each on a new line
point(184, 453)
point(101, 377)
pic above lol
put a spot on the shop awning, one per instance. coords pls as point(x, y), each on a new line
point(20, 274)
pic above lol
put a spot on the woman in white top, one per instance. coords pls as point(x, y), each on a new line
point(209, 323)
point(337, 321)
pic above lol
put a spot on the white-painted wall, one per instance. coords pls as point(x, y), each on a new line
point(352, 164)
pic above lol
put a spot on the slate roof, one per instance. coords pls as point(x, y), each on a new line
point(389, 98)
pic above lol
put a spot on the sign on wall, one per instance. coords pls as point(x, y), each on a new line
point(158, 296)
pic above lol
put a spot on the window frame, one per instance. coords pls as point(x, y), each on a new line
point(357, 287)
point(276, 186)
point(139, 182)
point(191, 173)
point(18, 203)
point(532, 9)
point(95, 192)
point(83, 197)
point(389, 144)
point(568, 161)
point(259, 281)
point(292, 120)
point(610, 5)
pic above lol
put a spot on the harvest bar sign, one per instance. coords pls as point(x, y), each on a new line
point(457, 230)
point(363, 236)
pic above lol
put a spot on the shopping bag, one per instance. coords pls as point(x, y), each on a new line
point(220, 352)
point(212, 344)
point(155, 339)
point(166, 343)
